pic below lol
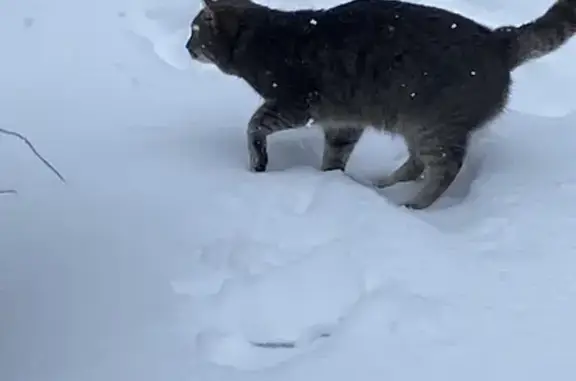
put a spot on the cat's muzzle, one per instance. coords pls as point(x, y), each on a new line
point(197, 56)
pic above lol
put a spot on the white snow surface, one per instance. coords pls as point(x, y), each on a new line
point(163, 257)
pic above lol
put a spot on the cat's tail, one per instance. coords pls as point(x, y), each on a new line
point(541, 36)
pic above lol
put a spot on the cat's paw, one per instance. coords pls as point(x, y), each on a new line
point(332, 167)
point(258, 168)
point(384, 182)
point(258, 163)
point(417, 205)
point(412, 206)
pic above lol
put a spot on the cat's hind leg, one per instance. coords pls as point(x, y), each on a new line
point(442, 163)
point(411, 170)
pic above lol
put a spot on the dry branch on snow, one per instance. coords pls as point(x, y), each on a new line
point(36, 153)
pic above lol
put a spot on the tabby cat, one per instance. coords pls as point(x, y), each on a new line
point(427, 74)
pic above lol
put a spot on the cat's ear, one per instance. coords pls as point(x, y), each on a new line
point(209, 4)
point(223, 18)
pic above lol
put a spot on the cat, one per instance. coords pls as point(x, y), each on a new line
point(427, 74)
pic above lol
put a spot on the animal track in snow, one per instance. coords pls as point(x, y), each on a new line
point(292, 282)
point(243, 323)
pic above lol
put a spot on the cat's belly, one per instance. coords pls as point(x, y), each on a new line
point(394, 124)
point(366, 115)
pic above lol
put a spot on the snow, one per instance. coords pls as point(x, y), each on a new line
point(163, 258)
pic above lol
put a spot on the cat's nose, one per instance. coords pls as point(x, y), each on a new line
point(189, 45)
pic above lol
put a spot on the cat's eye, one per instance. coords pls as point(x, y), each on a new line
point(208, 17)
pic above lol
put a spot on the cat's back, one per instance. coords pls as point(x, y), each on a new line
point(388, 10)
point(394, 24)
point(362, 38)
point(375, 38)
point(385, 52)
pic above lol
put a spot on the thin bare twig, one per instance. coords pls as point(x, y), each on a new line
point(36, 153)
point(8, 191)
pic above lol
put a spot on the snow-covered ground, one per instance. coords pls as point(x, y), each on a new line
point(163, 257)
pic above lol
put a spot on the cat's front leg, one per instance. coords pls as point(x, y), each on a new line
point(339, 142)
point(269, 118)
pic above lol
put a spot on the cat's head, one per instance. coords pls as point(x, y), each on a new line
point(214, 31)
